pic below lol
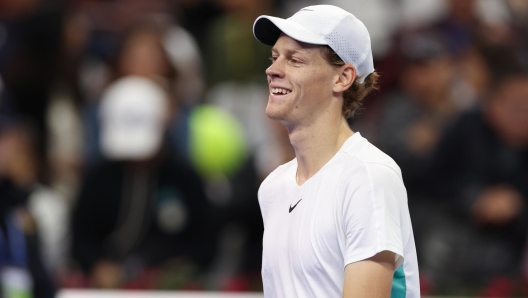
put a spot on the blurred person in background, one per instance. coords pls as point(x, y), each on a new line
point(413, 118)
point(141, 53)
point(29, 59)
point(63, 113)
point(206, 137)
point(480, 174)
point(22, 270)
point(140, 208)
point(33, 51)
point(165, 52)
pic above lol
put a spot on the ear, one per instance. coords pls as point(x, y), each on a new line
point(346, 75)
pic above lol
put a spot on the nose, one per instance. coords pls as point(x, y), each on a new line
point(275, 70)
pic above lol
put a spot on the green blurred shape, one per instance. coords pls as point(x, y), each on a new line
point(217, 143)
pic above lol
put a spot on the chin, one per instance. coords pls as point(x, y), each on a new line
point(274, 113)
point(274, 116)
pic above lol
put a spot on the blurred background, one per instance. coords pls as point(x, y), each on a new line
point(133, 141)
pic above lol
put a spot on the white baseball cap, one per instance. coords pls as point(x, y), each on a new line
point(323, 25)
point(133, 113)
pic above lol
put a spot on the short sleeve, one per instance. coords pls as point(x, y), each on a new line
point(372, 212)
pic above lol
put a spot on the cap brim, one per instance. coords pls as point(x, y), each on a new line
point(267, 30)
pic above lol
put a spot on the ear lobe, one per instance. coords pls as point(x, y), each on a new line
point(347, 76)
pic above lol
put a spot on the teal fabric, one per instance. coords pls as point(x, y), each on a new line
point(399, 287)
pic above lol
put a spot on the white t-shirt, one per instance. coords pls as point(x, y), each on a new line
point(354, 207)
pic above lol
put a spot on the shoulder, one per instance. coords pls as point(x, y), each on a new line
point(275, 178)
point(364, 155)
point(279, 172)
point(373, 189)
point(368, 170)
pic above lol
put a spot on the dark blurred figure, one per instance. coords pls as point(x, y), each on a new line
point(480, 175)
point(413, 118)
point(141, 209)
point(22, 271)
point(29, 63)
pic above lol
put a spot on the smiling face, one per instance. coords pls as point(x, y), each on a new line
point(300, 82)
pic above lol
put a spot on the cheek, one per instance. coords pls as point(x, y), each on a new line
point(315, 82)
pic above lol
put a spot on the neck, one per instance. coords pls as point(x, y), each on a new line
point(315, 144)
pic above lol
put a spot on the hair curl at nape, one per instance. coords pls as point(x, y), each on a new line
point(353, 96)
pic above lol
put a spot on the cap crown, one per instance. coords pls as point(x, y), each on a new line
point(342, 31)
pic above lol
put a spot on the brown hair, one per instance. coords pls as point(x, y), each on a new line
point(353, 96)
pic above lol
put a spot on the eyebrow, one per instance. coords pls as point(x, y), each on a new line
point(289, 51)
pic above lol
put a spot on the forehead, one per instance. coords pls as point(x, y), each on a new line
point(286, 43)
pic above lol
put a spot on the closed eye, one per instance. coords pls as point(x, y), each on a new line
point(295, 61)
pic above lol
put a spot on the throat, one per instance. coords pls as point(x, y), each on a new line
point(314, 151)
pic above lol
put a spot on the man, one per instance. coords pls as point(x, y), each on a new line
point(139, 208)
point(336, 219)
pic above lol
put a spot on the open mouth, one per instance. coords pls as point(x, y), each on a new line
point(280, 91)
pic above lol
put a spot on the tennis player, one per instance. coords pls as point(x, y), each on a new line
point(336, 221)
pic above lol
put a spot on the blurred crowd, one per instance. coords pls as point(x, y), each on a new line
point(133, 140)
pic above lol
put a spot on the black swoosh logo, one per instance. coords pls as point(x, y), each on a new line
point(291, 208)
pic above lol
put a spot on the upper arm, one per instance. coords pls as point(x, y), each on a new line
point(375, 228)
point(371, 277)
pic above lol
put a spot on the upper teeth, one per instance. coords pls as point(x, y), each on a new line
point(280, 90)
